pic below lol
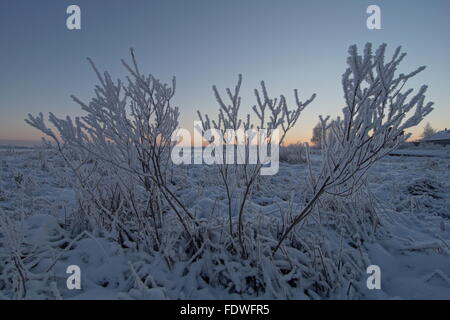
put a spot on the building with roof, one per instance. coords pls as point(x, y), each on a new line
point(441, 137)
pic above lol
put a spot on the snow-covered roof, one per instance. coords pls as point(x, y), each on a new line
point(441, 135)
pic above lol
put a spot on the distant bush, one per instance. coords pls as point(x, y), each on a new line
point(293, 153)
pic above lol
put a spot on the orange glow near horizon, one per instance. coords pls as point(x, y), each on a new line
point(31, 135)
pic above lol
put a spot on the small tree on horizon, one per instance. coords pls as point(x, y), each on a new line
point(428, 131)
point(317, 135)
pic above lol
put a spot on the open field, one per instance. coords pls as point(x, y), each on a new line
point(410, 240)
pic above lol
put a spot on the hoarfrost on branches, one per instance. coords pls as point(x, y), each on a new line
point(376, 114)
point(272, 115)
point(128, 191)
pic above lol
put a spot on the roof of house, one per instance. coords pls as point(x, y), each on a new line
point(441, 135)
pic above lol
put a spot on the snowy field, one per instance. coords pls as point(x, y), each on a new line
point(410, 241)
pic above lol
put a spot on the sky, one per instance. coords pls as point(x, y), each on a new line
point(289, 44)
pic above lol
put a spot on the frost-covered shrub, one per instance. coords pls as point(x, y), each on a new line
point(128, 191)
point(270, 114)
point(12, 274)
point(43, 159)
point(426, 187)
point(18, 178)
point(376, 114)
point(293, 153)
point(119, 153)
point(27, 254)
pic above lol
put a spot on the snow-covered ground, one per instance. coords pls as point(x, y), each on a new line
point(411, 245)
point(441, 153)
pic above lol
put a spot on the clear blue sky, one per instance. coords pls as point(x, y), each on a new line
point(289, 44)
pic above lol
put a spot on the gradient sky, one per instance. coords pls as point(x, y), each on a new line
point(289, 44)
